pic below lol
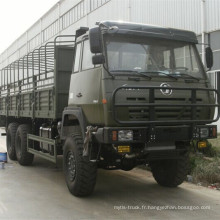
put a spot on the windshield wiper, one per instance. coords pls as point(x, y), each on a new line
point(122, 71)
point(166, 74)
point(143, 73)
point(188, 75)
point(133, 71)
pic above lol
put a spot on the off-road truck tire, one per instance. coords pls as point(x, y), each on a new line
point(170, 173)
point(24, 158)
point(80, 173)
point(10, 140)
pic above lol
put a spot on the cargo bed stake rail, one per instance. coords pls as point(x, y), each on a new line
point(35, 70)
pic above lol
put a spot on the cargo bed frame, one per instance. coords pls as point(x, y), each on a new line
point(37, 85)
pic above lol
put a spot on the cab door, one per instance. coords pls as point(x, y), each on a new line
point(86, 83)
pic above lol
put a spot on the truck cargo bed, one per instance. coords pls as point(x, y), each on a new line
point(37, 85)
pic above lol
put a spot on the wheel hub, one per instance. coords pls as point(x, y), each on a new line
point(9, 143)
point(18, 149)
point(71, 166)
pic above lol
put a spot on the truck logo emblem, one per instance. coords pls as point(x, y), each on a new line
point(166, 90)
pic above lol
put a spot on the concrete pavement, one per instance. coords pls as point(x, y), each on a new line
point(39, 192)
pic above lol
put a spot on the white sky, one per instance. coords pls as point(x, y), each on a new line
point(16, 16)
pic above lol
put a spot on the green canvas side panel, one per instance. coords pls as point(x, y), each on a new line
point(44, 103)
point(3, 103)
point(45, 94)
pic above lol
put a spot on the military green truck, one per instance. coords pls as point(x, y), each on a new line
point(114, 96)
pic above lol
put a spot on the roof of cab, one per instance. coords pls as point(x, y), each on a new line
point(151, 31)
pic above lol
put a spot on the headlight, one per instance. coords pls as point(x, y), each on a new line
point(125, 135)
point(204, 132)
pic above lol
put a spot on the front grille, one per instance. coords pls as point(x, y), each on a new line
point(162, 113)
point(147, 104)
point(136, 99)
point(141, 114)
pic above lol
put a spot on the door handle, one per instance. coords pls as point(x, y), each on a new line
point(79, 95)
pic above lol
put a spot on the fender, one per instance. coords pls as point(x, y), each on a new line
point(73, 120)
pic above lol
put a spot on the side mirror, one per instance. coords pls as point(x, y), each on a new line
point(98, 59)
point(209, 57)
point(95, 40)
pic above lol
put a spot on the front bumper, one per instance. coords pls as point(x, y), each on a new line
point(156, 134)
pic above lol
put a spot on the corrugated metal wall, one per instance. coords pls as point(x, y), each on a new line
point(183, 14)
point(67, 15)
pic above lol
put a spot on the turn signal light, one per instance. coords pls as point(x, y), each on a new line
point(114, 135)
point(104, 101)
point(214, 132)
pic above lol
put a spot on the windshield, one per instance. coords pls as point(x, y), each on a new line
point(153, 56)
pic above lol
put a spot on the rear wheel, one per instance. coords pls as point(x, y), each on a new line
point(24, 158)
point(10, 140)
point(80, 173)
point(170, 173)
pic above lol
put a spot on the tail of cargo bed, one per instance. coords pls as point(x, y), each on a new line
point(37, 85)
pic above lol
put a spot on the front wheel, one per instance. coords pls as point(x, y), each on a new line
point(80, 173)
point(170, 173)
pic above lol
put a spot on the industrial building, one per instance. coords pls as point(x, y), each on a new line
point(200, 16)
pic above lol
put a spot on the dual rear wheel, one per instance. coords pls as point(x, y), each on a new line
point(17, 143)
point(10, 140)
